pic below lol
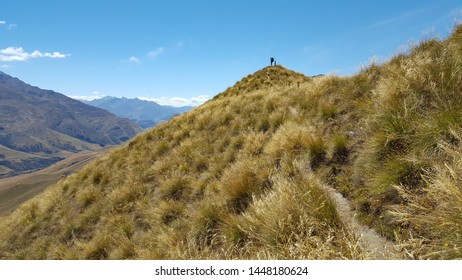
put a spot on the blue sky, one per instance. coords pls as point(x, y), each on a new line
point(183, 52)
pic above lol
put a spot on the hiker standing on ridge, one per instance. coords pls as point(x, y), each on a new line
point(272, 60)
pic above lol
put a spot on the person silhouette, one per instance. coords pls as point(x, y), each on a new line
point(272, 60)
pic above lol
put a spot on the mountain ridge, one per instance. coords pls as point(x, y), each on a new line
point(241, 177)
point(44, 122)
point(146, 113)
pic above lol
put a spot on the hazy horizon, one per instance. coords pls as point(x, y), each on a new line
point(186, 52)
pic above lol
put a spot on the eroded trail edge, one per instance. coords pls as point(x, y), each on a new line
point(375, 246)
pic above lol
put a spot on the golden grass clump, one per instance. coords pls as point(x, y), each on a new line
point(295, 220)
point(292, 139)
point(417, 101)
point(434, 216)
point(243, 180)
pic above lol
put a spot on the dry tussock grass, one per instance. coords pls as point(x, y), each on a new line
point(434, 217)
point(235, 178)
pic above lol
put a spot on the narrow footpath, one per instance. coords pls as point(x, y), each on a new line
point(375, 246)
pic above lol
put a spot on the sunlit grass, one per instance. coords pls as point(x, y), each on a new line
point(238, 178)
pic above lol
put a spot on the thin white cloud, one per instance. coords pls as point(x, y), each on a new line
point(86, 97)
point(155, 53)
point(4, 66)
point(10, 26)
point(396, 19)
point(18, 54)
point(178, 101)
point(37, 54)
point(133, 59)
point(201, 99)
point(13, 54)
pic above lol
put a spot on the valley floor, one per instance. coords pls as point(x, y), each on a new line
point(18, 189)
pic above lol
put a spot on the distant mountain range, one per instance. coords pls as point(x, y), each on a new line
point(145, 113)
point(38, 127)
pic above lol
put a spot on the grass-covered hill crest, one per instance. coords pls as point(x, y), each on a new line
point(243, 175)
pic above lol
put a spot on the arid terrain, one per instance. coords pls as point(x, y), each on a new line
point(17, 189)
point(279, 166)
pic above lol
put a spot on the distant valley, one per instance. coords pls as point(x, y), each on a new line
point(17, 189)
point(145, 113)
point(40, 127)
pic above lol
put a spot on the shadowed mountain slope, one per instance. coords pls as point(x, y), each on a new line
point(36, 125)
point(242, 175)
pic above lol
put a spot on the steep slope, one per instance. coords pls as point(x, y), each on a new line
point(222, 181)
point(42, 123)
point(145, 113)
point(244, 175)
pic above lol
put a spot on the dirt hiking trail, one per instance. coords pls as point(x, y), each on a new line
point(375, 246)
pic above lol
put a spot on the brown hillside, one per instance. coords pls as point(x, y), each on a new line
point(244, 175)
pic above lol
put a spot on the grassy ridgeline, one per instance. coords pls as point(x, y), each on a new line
point(239, 176)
